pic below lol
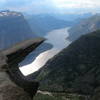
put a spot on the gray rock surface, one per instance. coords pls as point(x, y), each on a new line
point(13, 85)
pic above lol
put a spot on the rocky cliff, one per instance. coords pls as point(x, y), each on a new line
point(13, 85)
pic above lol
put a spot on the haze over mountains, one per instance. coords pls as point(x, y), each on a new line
point(76, 69)
point(44, 23)
point(85, 26)
point(72, 17)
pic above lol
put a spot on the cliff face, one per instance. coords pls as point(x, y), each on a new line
point(13, 85)
point(13, 28)
point(76, 69)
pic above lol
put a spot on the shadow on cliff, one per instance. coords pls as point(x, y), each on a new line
point(32, 56)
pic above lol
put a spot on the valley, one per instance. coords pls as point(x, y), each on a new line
point(59, 65)
point(57, 38)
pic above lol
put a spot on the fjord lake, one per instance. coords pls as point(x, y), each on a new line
point(57, 38)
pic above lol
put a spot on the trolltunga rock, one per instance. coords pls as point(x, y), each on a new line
point(13, 85)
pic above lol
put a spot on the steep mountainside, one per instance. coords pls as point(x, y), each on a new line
point(85, 26)
point(13, 85)
point(41, 24)
point(75, 69)
point(13, 28)
point(74, 18)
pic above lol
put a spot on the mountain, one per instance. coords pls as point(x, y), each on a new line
point(84, 26)
point(76, 69)
point(42, 24)
point(72, 16)
point(13, 29)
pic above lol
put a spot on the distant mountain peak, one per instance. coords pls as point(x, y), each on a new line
point(9, 13)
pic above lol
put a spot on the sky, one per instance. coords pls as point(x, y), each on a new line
point(51, 6)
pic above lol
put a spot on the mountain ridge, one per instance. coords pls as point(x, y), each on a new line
point(85, 26)
point(42, 24)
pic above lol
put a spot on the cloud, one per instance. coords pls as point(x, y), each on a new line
point(77, 3)
point(51, 6)
point(78, 6)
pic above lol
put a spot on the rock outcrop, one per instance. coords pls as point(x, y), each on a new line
point(13, 85)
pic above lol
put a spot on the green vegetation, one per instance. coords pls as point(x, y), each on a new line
point(43, 97)
point(59, 96)
point(75, 69)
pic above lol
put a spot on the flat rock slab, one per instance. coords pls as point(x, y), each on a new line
point(13, 85)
